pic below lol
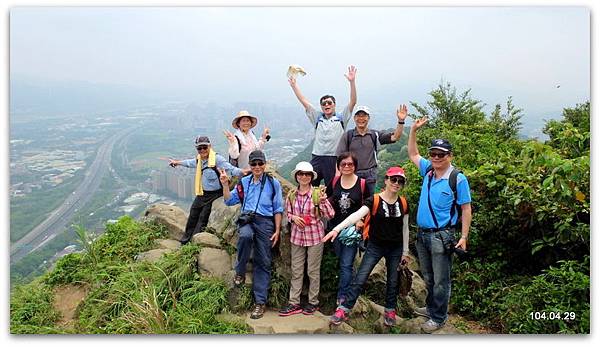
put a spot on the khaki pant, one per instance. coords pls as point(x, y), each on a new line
point(312, 255)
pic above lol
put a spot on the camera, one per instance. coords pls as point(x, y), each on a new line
point(245, 218)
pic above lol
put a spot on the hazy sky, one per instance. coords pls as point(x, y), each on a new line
point(242, 54)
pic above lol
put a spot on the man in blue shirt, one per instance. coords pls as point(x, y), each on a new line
point(207, 185)
point(437, 218)
point(258, 225)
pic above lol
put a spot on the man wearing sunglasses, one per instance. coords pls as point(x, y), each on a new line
point(329, 128)
point(206, 184)
point(437, 219)
point(364, 142)
point(259, 225)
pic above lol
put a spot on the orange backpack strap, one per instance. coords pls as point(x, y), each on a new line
point(368, 218)
point(404, 204)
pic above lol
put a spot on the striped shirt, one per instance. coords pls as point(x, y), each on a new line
point(313, 232)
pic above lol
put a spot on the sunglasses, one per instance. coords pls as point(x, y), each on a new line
point(438, 154)
point(259, 163)
point(346, 164)
point(301, 173)
point(396, 179)
point(202, 147)
point(326, 102)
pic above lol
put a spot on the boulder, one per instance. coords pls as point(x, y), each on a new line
point(222, 217)
point(152, 255)
point(172, 217)
point(213, 262)
point(167, 244)
point(272, 323)
point(206, 240)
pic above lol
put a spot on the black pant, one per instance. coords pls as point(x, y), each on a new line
point(324, 166)
point(199, 214)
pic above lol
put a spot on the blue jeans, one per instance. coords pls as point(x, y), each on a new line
point(346, 255)
point(257, 235)
point(392, 254)
point(436, 267)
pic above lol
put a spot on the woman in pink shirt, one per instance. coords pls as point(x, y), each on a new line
point(305, 207)
point(243, 141)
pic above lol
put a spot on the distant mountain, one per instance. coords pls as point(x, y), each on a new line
point(52, 97)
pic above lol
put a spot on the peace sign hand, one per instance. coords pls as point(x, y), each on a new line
point(223, 177)
point(230, 137)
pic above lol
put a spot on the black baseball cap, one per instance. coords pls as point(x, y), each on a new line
point(256, 155)
point(441, 144)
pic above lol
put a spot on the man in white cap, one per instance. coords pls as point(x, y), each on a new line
point(445, 195)
point(364, 142)
point(329, 127)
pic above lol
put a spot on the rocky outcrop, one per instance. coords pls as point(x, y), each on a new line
point(213, 262)
point(172, 217)
point(152, 255)
point(207, 240)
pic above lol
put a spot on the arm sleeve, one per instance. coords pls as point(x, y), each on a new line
point(191, 163)
point(278, 198)
point(230, 169)
point(405, 235)
point(234, 199)
point(311, 113)
point(463, 190)
point(234, 152)
point(289, 208)
point(346, 115)
point(326, 209)
point(385, 137)
point(423, 165)
point(353, 218)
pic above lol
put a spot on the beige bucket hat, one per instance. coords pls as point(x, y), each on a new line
point(244, 113)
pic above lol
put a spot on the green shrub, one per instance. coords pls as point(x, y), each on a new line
point(31, 310)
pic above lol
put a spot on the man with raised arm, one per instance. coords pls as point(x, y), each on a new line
point(329, 128)
point(364, 142)
point(445, 194)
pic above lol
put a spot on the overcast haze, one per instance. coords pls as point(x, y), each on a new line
point(242, 54)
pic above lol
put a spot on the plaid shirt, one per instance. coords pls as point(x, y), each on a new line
point(312, 233)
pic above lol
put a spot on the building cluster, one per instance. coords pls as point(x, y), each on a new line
point(178, 182)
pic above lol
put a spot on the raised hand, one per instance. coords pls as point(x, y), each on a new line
point(322, 193)
point(420, 122)
point(230, 137)
point(266, 132)
point(402, 112)
point(223, 177)
point(173, 162)
point(292, 81)
point(351, 75)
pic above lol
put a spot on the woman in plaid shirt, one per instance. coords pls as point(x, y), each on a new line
point(305, 207)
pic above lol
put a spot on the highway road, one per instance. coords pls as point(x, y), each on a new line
point(59, 218)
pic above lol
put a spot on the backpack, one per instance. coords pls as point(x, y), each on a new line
point(293, 194)
point(214, 168)
point(240, 187)
point(375, 139)
point(232, 161)
point(334, 117)
point(452, 181)
point(376, 197)
point(363, 184)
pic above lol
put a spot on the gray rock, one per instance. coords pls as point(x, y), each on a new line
point(172, 217)
point(168, 244)
point(213, 262)
point(272, 323)
point(207, 240)
point(152, 255)
point(222, 217)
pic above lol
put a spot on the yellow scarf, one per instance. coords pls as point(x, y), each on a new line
point(212, 161)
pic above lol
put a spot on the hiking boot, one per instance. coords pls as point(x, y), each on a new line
point(258, 311)
point(422, 311)
point(389, 318)
point(310, 309)
point(238, 280)
point(431, 326)
point(338, 317)
point(290, 309)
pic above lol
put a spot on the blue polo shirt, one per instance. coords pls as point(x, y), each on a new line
point(268, 205)
point(442, 197)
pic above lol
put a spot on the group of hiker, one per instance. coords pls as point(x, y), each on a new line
point(345, 209)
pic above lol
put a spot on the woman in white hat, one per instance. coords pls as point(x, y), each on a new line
point(243, 141)
point(305, 207)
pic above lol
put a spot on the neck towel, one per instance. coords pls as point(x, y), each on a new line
point(212, 161)
point(242, 137)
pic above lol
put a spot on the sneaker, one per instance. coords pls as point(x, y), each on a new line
point(290, 309)
point(340, 301)
point(338, 317)
point(389, 318)
point(238, 280)
point(422, 311)
point(310, 309)
point(258, 312)
point(431, 326)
